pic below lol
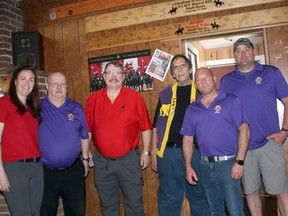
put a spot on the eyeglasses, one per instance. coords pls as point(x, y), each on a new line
point(179, 67)
point(109, 73)
point(57, 84)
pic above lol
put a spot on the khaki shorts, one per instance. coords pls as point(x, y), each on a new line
point(267, 161)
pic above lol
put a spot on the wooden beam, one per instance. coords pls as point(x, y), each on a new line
point(242, 21)
point(163, 11)
point(89, 6)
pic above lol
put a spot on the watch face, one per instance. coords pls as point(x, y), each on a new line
point(240, 162)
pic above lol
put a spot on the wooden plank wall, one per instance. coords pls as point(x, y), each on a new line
point(65, 50)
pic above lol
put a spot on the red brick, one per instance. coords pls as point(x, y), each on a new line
point(16, 11)
point(4, 6)
point(7, 13)
point(4, 19)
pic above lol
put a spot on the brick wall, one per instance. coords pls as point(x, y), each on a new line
point(11, 20)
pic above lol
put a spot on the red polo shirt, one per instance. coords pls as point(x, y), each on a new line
point(20, 135)
point(116, 127)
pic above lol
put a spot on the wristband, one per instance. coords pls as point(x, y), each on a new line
point(285, 130)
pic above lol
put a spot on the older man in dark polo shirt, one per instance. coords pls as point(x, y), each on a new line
point(62, 136)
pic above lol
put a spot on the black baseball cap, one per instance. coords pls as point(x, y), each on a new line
point(242, 41)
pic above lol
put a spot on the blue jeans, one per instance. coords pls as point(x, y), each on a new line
point(220, 188)
point(173, 185)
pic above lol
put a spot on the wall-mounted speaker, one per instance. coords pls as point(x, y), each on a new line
point(28, 49)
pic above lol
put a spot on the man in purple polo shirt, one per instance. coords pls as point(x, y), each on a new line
point(218, 122)
point(63, 135)
point(258, 86)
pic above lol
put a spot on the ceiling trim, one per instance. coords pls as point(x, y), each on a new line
point(89, 6)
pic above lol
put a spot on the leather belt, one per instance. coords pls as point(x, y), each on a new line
point(217, 158)
point(30, 160)
point(62, 168)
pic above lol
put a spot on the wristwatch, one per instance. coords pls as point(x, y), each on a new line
point(86, 159)
point(285, 130)
point(146, 153)
point(240, 162)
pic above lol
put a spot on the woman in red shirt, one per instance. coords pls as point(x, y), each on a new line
point(21, 173)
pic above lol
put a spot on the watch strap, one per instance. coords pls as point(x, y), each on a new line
point(239, 162)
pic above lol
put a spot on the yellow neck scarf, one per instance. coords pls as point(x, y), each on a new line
point(169, 110)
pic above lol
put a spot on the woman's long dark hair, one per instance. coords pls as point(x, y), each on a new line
point(33, 99)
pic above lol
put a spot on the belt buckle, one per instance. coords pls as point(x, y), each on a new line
point(211, 159)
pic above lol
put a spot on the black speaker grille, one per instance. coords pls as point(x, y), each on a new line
point(28, 49)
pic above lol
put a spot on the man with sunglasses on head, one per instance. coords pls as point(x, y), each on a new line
point(115, 116)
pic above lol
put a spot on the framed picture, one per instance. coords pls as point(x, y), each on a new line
point(135, 65)
point(159, 64)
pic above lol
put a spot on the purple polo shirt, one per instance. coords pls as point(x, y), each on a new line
point(258, 95)
point(215, 127)
point(60, 132)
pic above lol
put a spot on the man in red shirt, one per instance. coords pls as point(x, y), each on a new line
point(115, 116)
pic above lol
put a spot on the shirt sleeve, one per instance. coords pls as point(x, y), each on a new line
point(88, 114)
point(280, 85)
point(84, 130)
point(4, 111)
point(187, 126)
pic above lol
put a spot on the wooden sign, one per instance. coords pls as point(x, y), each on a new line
point(167, 10)
point(242, 21)
point(89, 6)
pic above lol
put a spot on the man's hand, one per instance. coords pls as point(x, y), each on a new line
point(278, 137)
point(237, 171)
point(191, 176)
point(87, 167)
point(145, 159)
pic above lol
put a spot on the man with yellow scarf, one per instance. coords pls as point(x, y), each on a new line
point(167, 155)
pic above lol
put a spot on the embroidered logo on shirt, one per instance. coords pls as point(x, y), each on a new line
point(70, 117)
point(217, 108)
point(258, 80)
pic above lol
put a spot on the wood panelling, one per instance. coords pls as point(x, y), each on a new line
point(90, 6)
point(67, 48)
point(161, 11)
point(192, 28)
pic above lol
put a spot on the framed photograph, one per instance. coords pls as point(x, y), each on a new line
point(159, 64)
point(135, 64)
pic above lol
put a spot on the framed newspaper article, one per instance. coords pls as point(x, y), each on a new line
point(159, 64)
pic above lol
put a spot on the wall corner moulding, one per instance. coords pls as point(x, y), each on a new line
point(162, 11)
point(192, 28)
point(88, 6)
